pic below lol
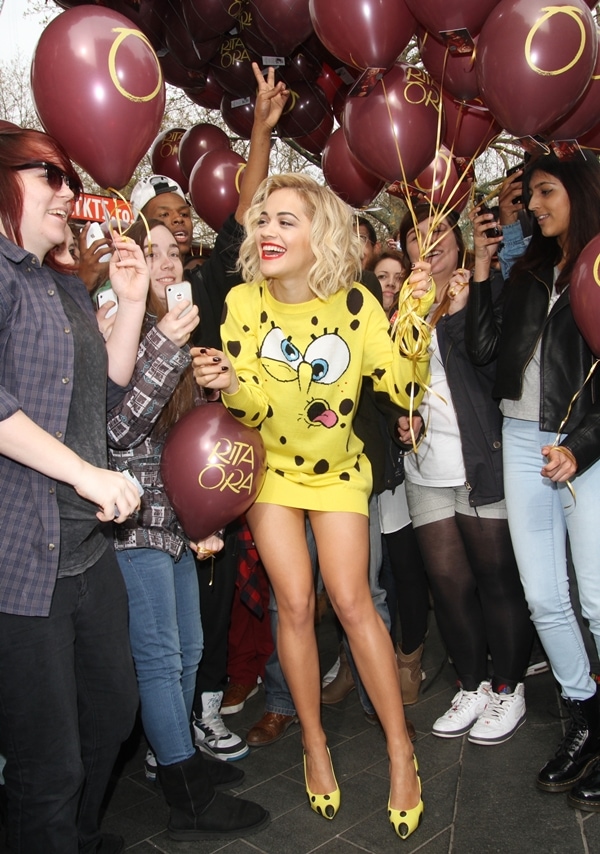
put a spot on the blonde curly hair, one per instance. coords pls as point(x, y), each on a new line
point(333, 240)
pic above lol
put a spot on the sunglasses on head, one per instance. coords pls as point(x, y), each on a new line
point(54, 176)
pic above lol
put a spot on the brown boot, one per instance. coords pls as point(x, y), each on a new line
point(410, 673)
point(341, 686)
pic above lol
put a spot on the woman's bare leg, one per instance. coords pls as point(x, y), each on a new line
point(280, 537)
point(343, 547)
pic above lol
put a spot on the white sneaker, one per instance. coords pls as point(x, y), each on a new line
point(466, 707)
point(150, 766)
point(211, 734)
point(504, 715)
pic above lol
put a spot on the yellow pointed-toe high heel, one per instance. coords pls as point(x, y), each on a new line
point(406, 822)
point(325, 805)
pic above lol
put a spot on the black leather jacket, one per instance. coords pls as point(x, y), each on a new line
point(510, 329)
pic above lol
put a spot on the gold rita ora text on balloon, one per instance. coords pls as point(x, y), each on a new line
point(549, 12)
point(169, 147)
point(124, 33)
point(231, 467)
point(420, 89)
point(233, 50)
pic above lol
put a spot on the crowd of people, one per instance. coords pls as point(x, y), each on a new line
point(460, 479)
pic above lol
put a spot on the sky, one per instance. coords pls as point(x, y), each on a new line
point(19, 33)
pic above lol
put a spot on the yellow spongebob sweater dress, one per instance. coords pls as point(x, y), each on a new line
point(300, 367)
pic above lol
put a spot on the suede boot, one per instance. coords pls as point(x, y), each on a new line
point(578, 749)
point(342, 685)
point(198, 812)
point(410, 673)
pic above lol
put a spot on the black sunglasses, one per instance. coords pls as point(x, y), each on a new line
point(54, 176)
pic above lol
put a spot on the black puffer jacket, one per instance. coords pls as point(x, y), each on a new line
point(510, 329)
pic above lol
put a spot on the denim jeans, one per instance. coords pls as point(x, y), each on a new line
point(166, 641)
point(540, 513)
point(277, 696)
point(68, 699)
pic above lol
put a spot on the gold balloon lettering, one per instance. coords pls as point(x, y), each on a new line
point(233, 50)
point(441, 173)
point(420, 89)
point(226, 468)
point(238, 176)
point(112, 64)
point(549, 12)
point(170, 144)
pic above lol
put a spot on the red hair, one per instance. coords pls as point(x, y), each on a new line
point(17, 147)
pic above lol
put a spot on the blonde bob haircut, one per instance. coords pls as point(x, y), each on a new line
point(333, 241)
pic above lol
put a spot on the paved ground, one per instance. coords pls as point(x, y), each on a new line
point(478, 800)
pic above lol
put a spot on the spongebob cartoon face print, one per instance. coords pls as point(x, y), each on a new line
point(323, 362)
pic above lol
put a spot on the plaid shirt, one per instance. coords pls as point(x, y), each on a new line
point(132, 443)
point(36, 371)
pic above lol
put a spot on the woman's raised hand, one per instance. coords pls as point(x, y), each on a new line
point(420, 279)
point(128, 270)
point(485, 247)
point(177, 325)
point(458, 290)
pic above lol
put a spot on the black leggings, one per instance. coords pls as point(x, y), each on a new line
point(478, 598)
point(408, 588)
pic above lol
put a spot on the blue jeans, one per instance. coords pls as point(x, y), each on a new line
point(68, 699)
point(540, 513)
point(165, 632)
point(277, 696)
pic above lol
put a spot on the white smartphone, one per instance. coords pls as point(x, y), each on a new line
point(107, 295)
point(177, 294)
point(95, 232)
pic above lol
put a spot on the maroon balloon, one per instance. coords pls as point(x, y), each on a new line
point(98, 89)
point(344, 174)
point(6, 125)
point(213, 468)
point(197, 141)
point(177, 75)
point(315, 142)
point(147, 15)
point(179, 41)
point(164, 156)
point(208, 18)
point(363, 33)
point(585, 294)
point(584, 114)
point(301, 67)
point(215, 185)
point(534, 61)
point(439, 15)
point(232, 67)
point(238, 114)
point(284, 23)
point(304, 111)
point(397, 121)
point(470, 127)
point(249, 31)
point(208, 94)
point(441, 183)
point(456, 74)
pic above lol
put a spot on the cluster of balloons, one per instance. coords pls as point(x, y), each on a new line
point(520, 66)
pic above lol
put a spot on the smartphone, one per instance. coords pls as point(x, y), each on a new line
point(177, 294)
point(95, 233)
point(107, 295)
point(511, 171)
point(493, 230)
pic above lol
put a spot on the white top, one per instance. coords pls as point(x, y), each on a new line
point(439, 459)
point(393, 510)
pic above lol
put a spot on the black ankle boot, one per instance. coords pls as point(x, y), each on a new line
point(198, 812)
point(578, 749)
point(585, 795)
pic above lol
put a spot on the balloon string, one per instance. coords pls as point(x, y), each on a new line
point(130, 209)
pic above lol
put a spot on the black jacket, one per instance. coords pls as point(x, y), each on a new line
point(478, 415)
point(509, 330)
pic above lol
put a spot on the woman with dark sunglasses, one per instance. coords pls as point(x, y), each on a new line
point(64, 649)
